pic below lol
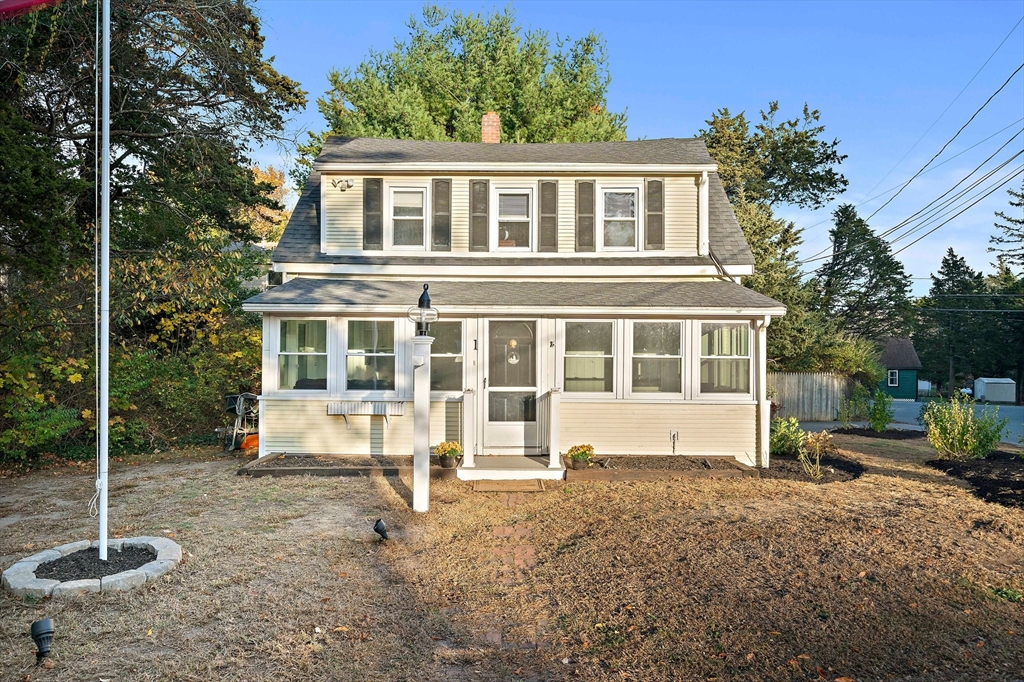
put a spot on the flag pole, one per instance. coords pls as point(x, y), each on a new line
point(104, 355)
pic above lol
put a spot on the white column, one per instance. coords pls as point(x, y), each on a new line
point(421, 423)
point(554, 423)
point(763, 406)
point(468, 427)
point(703, 242)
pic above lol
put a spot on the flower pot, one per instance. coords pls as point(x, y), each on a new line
point(447, 462)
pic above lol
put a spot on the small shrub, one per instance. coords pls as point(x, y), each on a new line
point(448, 448)
point(584, 452)
point(786, 437)
point(814, 446)
point(880, 413)
point(855, 408)
point(957, 432)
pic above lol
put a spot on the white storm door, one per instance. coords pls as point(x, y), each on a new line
point(510, 387)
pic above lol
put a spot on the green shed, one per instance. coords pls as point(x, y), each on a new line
point(901, 366)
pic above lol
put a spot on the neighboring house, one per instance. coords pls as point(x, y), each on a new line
point(588, 293)
point(901, 366)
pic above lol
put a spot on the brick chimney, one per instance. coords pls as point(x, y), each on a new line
point(490, 128)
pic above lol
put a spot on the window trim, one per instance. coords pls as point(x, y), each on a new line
point(893, 374)
point(563, 356)
point(499, 188)
point(723, 396)
point(599, 217)
point(278, 353)
point(628, 365)
point(451, 393)
point(389, 214)
point(397, 354)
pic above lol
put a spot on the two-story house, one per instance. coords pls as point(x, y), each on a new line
point(588, 293)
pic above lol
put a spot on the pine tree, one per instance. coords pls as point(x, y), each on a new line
point(1013, 230)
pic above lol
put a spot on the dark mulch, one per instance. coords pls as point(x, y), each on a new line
point(889, 434)
point(834, 468)
point(998, 478)
point(677, 463)
point(86, 564)
point(340, 461)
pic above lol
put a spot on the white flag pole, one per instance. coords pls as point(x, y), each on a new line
point(102, 421)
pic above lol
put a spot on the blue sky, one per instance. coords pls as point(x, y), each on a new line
point(881, 73)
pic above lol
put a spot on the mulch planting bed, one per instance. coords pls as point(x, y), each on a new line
point(340, 461)
point(86, 564)
point(648, 463)
point(834, 468)
point(998, 478)
point(890, 434)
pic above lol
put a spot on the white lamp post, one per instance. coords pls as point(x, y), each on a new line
point(422, 315)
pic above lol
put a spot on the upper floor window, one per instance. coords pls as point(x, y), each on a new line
point(515, 219)
point(370, 355)
point(657, 357)
point(724, 358)
point(446, 356)
point(302, 355)
point(408, 217)
point(589, 359)
point(619, 212)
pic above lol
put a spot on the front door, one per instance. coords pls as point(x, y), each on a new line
point(510, 387)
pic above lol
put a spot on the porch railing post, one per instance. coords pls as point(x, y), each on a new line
point(554, 412)
point(469, 407)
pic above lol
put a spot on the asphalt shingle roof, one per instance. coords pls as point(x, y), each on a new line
point(376, 150)
point(309, 291)
point(300, 242)
point(899, 353)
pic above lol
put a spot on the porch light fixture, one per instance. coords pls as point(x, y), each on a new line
point(42, 635)
point(423, 314)
point(343, 185)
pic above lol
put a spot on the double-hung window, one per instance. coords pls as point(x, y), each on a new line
point(893, 378)
point(370, 355)
point(619, 211)
point(515, 219)
point(302, 355)
point(446, 356)
point(589, 361)
point(408, 217)
point(724, 358)
point(657, 357)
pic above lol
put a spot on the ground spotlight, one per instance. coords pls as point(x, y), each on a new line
point(380, 529)
point(42, 635)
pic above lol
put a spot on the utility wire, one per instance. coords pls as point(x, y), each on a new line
point(980, 69)
point(937, 154)
point(895, 187)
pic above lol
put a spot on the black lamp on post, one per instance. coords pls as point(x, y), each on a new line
point(423, 314)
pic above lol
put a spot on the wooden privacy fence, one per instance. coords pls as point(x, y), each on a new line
point(808, 396)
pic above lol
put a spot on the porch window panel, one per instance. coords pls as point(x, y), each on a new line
point(589, 362)
point(657, 357)
point(516, 406)
point(370, 356)
point(302, 358)
point(725, 358)
point(446, 358)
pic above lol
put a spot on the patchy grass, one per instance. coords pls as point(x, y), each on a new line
point(900, 573)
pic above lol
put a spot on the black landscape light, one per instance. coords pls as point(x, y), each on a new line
point(380, 529)
point(42, 635)
point(423, 314)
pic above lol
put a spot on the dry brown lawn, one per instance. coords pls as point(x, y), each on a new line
point(895, 575)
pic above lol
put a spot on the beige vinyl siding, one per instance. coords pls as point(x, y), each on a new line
point(566, 215)
point(611, 427)
point(460, 214)
point(342, 215)
point(681, 214)
point(303, 426)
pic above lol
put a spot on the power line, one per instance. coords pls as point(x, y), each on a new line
point(914, 176)
point(980, 69)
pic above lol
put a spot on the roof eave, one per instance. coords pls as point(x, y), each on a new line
point(515, 167)
point(633, 311)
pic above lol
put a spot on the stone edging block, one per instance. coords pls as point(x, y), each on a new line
point(20, 578)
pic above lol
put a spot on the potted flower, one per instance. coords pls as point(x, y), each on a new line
point(579, 456)
point(447, 453)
